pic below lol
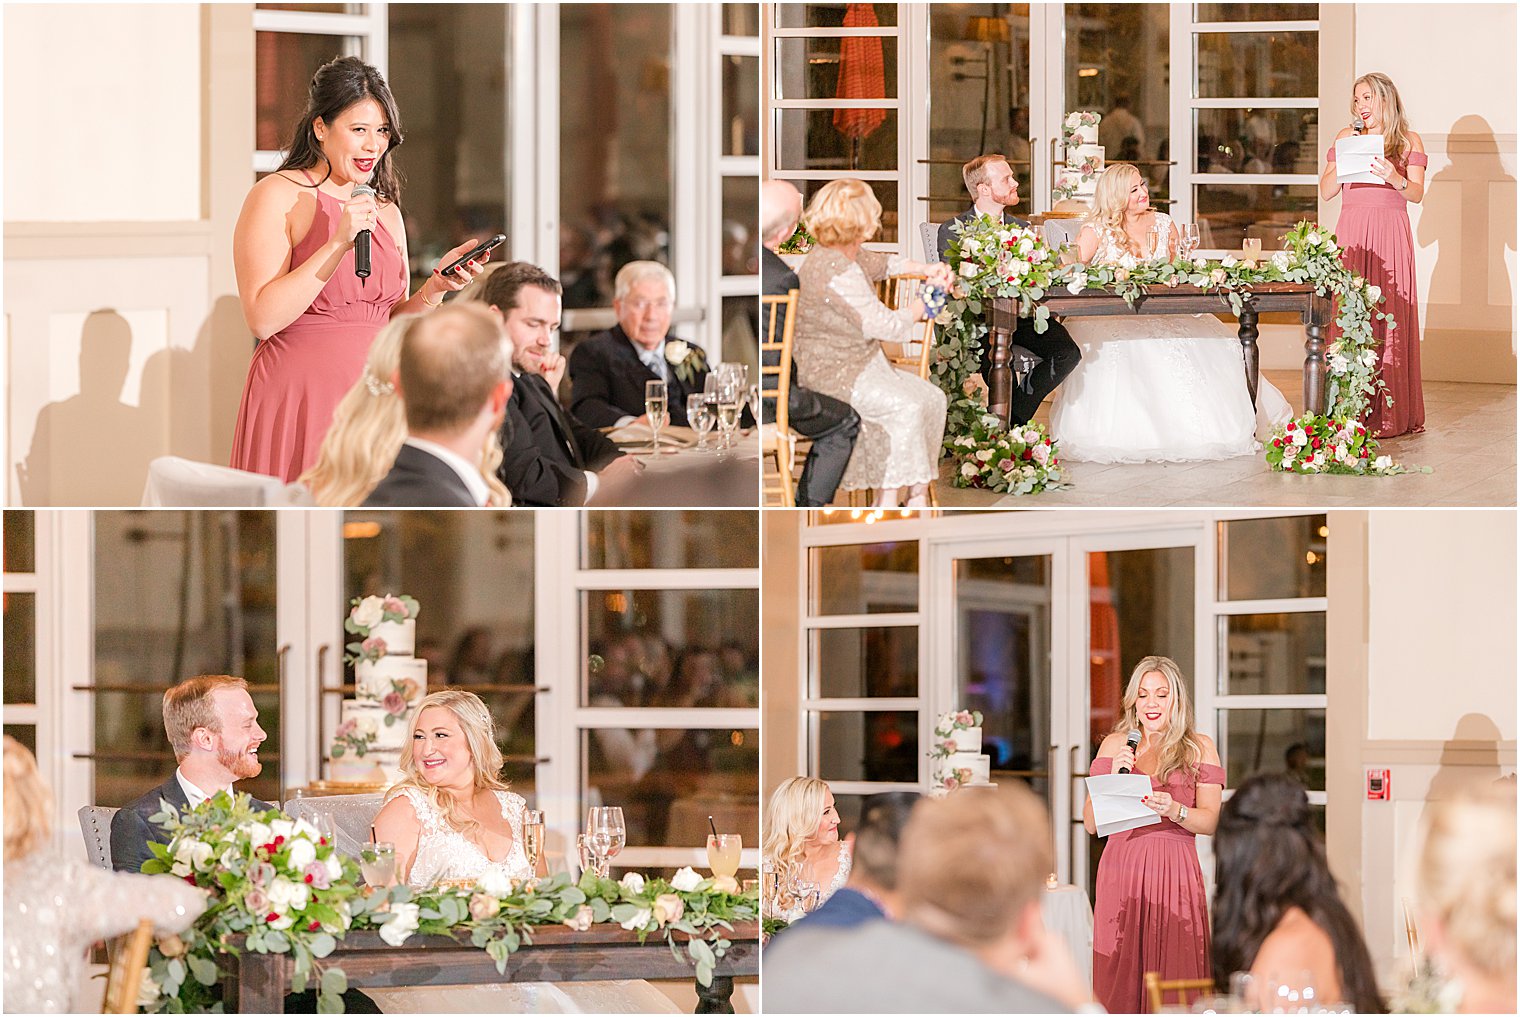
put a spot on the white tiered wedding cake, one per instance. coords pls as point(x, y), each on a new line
point(389, 682)
point(958, 757)
point(1078, 178)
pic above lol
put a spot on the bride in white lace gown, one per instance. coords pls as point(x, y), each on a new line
point(1149, 388)
point(802, 844)
point(452, 818)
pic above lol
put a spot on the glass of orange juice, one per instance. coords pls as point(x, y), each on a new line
point(723, 853)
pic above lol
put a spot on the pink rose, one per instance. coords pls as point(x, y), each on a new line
point(668, 907)
point(947, 746)
point(316, 875)
point(581, 920)
point(373, 647)
point(394, 703)
point(964, 718)
point(951, 783)
point(347, 728)
point(256, 900)
point(483, 906)
point(391, 605)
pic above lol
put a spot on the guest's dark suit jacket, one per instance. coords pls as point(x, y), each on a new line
point(547, 451)
point(607, 381)
point(132, 828)
point(420, 479)
point(846, 909)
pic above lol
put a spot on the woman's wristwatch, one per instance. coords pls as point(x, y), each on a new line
point(1181, 814)
point(1405, 185)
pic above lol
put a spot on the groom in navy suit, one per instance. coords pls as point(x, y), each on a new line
point(994, 191)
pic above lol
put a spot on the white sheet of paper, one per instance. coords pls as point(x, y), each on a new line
point(1116, 802)
point(1353, 158)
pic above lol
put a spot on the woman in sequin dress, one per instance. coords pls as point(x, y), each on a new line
point(56, 906)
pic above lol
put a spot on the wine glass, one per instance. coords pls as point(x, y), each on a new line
point(723, 854)
point(654, 406)
point(605, 834)
point(377, 860)
point(808, 894)
point(533, 837)
point(754, 402)
point(583, 852)
point(327, 826)
point(699, 416)
point(1189, 239)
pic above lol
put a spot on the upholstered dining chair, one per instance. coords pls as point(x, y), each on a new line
point(95, 822)
point(353, 815)
point(928, 235)
point(778, 440)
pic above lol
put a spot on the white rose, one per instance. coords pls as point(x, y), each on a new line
point(1374, 293)
point(969, 269)
point(495, 881)
point(1074, 120)
point(1025, 246)
point(1280, 260)
point(1019, 267)
point(1300, 438)
point(281, 828)
point(686, 879)
point(258, 832)
point(984, 454)
point(302, 853)
point(1339, 364)
point(180, 869)
point(988, 420)
point(334, 867)
point(1004, 236)
point(288, 895)
point(1313, 239)
point(971, 245)
point(1330, 247)
point(639, 919)
point(1078, 283)
point(230, 857)
point(1228, 261)
point(676, 351)
point(1127, 260)
point(283, 922)
point(1042, 254)
point(1382, 463)
point(369, 612)
point(632, 882)
point(401, 926)
point(305, 829)
point(968, 470)
point(367, 725)
point(1028, 471)
point(1369, 357)
point(148, 990)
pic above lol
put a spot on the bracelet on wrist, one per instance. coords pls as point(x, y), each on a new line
point(428, 302)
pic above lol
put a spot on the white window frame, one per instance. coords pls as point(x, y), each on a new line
point(743, 167)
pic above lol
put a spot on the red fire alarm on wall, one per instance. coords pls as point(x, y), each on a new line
point(1378, 785)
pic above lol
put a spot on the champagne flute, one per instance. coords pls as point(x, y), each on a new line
point(654, 406)
point(533, 837)
point(730, 398)
point(618, 829)
point(754, 402)
point(327, 827)
point(723, 854)
point(1189, 239)
point(583, 852)
point(377, 860)
point(699, 417)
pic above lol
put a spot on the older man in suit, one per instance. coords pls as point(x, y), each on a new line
point(994, 191)
point(454, 380)
point(608, 371)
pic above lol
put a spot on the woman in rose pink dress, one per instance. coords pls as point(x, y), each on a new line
point(1373, 232)
point(1149, 911)
point(293, 252)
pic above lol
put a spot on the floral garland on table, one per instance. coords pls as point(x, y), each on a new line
point(281, 884)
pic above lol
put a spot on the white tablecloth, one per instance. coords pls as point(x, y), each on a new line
point(1068, 913)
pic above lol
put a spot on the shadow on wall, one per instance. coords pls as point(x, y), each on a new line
point(1470, 757)
point(1469, 219)
point(93, 448)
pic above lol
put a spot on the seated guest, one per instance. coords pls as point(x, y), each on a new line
point(829, 423)
point(549, 457)
point(454, 379)
point(870, 892)
point(802, 846)
point(841, 324)
point(45, 944)
point(608, 370)
point(1277, 911)
point(1466, 883)
point(970, 874)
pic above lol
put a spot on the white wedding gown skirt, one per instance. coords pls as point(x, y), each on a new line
point(1160, 388)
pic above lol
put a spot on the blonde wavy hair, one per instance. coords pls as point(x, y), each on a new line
point(479, 736)
point(368, 428)
point(1110, 200)
point(791, 819)
point(1392, 116)
point(1181, 750)
point(843, 212)
point(28, 803)
point(1467, 875)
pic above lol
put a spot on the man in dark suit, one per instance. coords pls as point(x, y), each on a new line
point(608, 370)
point(830, 423)
point(454, 381)
point(549, 457)
point(994, 191)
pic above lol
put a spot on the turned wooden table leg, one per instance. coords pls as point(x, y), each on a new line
point(1000, 396)
point(717, 997)
point(1248, 334)
point(1314, 356)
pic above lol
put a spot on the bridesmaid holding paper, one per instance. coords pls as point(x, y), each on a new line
point(1149, 911)
point(1373, 231)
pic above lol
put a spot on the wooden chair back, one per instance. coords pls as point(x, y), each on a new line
point(1157, 988)
point(129, 955)
point(779, 318)
point(897, 291)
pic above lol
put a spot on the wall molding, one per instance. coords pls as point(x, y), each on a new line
point(39, 241)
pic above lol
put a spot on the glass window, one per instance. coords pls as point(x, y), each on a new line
point(741, 105)
point(1250, 140)
point(741, 330)
point(20, 648)
point(876, 746)
point(1228, 213)
point(809, 68)
point(671, 540)
point(20, 541)
point(1274, 741)
point(858, 663)
point(837, 139)
point(741, 19)
point(284, 63)
point(886, 193)
point(865, 578)
point(26, 734)
point(830, 15)
point(668, 781)
point(1276, 65)
point(741, 215)
point(1268, 559)
point(1256, 12)
point(671, 648)
point(1273, 654)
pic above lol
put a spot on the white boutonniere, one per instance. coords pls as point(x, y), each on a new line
point(685, 360)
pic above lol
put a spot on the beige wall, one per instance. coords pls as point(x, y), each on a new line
point(782, 598)
point(125, 340)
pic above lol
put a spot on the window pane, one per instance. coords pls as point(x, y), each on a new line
point(20, 648)
point(669, 781)
point(741, 217)
point(671, 648)
point(179, 594)
point(1274, 741)
point(886, 193)
point(1228, 213)
point(449, 76)
point(842, 139)
point(26, 734)
point(868, 746)
point(1118, 63)
point(1256, 12)
point(741, 105)
point(1257, 64)
point(20, 541)
point(855, 663)
point(1262, 559)
point(1257, 140)
point(741, 342)
point(615, 142)
point(829, 15)
point(866, 578)
point(1273, 654)
point(741, 19)
point(283, 65)
point(671, 540)
point(809, 69)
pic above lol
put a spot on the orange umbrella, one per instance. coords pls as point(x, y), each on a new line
point(862, 75)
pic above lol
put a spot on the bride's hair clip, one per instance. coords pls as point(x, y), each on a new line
point(376, 386)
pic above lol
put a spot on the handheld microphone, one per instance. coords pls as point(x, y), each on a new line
point(361, 239)
point(1133, 743)
point(1357, 127)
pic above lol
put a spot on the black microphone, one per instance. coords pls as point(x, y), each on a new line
point(361, 239)
point(1132, 743)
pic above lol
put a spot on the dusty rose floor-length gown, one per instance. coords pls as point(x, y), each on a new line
point(298, 375)
point(1373, 232)
point(1150, 912)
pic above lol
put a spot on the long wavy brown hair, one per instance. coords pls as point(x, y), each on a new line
point(1394, 119)
point(479, 734)
point(337, 85)
point(1181, 750)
